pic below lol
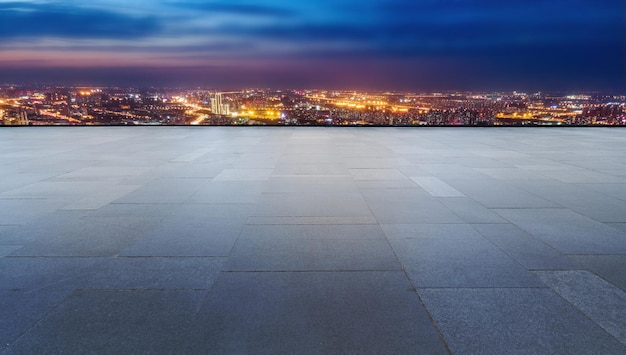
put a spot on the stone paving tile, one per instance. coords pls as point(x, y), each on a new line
point(164, 190)
point(304, 183)
point(244, 175)
point(310, 220)
point(146, 321)
point(514, 320)
point(604, 303)
point(8, 249)
point(311, 204)
point(453, 171)
point(436, 187)
point(431, 212)
point(313, 313)
point(609, 267)
point(183, 237)
point(228, 192)
point(513, 174)
point(584, 176)
point(191, 156)
point(576, 197)
point(365, 174)
point(391, 162)
point(526, 249)
point(20, 310)
point(312, 247)
point(612, 190)
point(88, 236)
point(454, 255)
point(568, 231)
point(471, 211)
point(195, 170)
point(26, 274)
point(23, 211)
point(385, 184)
point(151, 273)
point(102, 198)
point(139, 210)
point(226, 213)
point(103, 172)
point(310, 169)
point(495, 194)
point(9, 235)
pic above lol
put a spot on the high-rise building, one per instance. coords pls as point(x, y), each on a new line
point(218, 107)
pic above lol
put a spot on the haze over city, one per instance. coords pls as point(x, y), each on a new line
point(425, 45)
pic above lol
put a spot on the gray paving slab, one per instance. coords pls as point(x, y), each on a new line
point(452, 171)
point(385, 184)
point(514, 320)
point(151, 273)
point(311, 220)
point(9, 235)
point(185, 237)
point(604, 303)
point(470, 211)
point(141, 210)
point(57, 189)
point(531, 252)
point(391, 206)
point(314, 183)
point(103, 172)
point(15, 180)
point(310, 169)
point(88, 236)
point(164, 190)
point(244, 175)
point(191, 156)
point(613, 190)
point(8, 249)
point(101, 198)
point(152, 321)
point(577, 197)
point(257, 160)
point(366, 174)
point(493, 193)
point(513, 174)
point(23, 211)
point(27, 274)
point(568, 231)
point(312, 313)
point(20, 310)
point(454, 255)
point(583, 176)
point(435, 187)
point(390, 162)
point(312, 204)
point(312, 247)
point(195, 170)
point(609, 267)
point(220, 213)
point(228, 192)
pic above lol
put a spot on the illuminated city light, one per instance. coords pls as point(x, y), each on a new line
point(81, 106)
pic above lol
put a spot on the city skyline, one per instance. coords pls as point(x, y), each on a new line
point(366, 45)
point(167, 106)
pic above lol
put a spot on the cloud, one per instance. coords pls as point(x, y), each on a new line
point(246, 9)
point(20, 19)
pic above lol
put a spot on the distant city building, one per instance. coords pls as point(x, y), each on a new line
point(218, 107)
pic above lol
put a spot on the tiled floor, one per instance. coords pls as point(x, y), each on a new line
point(312, 240)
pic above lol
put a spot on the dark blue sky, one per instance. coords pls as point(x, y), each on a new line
point(375, 44)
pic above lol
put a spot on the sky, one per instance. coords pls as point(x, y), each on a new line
point(336, 44)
